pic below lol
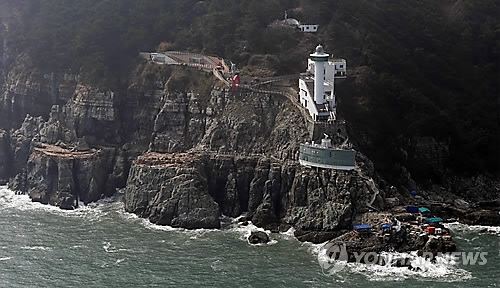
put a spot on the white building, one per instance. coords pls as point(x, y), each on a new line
point(294, 23)
point(311, 28)
point(317, 85)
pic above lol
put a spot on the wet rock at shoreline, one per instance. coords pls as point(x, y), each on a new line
point(63, 178)
point(258, 237)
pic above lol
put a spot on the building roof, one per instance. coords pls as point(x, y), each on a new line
point(424, 210)
point(362, 227)
point(320, 49)
point(291, 22)
point(434, 220)
point(338, 60)
point(412, 209)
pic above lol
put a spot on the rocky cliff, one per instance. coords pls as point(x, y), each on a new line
point(4, 156)
point(66, 178)
point(163, 110)
point(193, 189)
point(27, 90)
point(187, 151)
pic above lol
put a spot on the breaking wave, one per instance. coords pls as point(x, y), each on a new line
point(439, 271)
point(463, 228)
point(244, 230)
point(91, 212)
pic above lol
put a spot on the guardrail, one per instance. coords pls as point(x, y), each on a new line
point(292, 98)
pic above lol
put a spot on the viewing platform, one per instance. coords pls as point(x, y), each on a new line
point(196, 60)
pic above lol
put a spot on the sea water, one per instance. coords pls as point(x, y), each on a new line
point(100, 245)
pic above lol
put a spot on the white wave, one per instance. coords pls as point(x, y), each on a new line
point(151, 226)
point(199, 233)
point(289, 233)
point(459, 227)
point(217, 265)
point(117, 262)
point(109, 248)
point(194, 234)
point(245, 230)
point(445, 271)
point(42, 248)
point(91, 212)
point(78, 246)
point(5, 258)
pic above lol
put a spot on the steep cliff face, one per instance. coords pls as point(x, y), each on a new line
point(209, 152)
point(91, 113)
point(177, 109)
point(4, 156)
point(26, 90)
point(175, 195)
point(170, 189)
point(63, 177)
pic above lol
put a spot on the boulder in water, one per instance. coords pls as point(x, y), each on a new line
point(258, 237)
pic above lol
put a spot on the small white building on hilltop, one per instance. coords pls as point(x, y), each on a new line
point(317, 85)
point(294, 23)
point(311, 28)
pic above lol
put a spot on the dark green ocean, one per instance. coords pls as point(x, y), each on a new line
point(102, 246)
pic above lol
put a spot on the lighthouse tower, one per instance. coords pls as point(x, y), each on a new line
point(320, 58)
point(317, 85)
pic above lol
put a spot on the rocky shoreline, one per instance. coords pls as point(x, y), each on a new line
point(186, 156)
point(276, 194)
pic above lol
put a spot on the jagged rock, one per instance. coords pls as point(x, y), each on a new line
point(409, 238)
point(462, 204)
point(4, 156)
point(120, 169)
point(265, 215)
point(226, 180)
point(51, 131)
point(82, 145)
point(170, 195)
point(316, 237)
point(327, 200)
point(436, 245)
point(25, 91)
point(405, 217)
point(62, 178)
point(21, 140)
point(391, 202)
point(482, 217)
point(258, 237)
point(164, 117)
point(91, 113)
point(18, 183)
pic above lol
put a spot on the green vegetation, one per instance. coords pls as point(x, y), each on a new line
point(423, 68)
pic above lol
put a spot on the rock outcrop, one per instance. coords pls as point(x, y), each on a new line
point(170, 194)
point(27, 90)
point(208, 152)
point(64, 178)
point(273, 192)
point(4, 156)
point(368, 247)
point(258, 237)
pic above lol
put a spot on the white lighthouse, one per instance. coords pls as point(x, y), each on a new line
point(317, 85)
point(319, 57)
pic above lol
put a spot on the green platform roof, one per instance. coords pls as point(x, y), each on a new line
point(434, 220)
point(424, 210)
